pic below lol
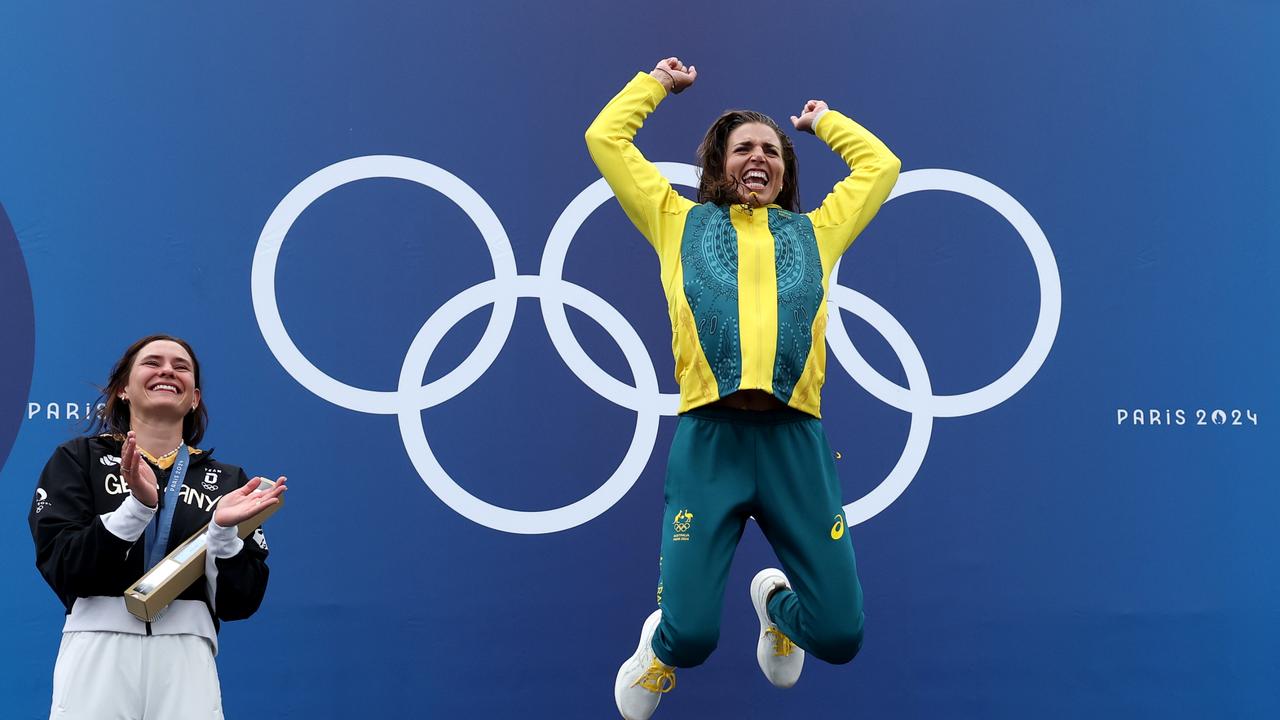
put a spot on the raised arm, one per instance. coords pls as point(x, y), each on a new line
point(645, 195)
point(79, 552)
point(873, 170)
point(236, 570)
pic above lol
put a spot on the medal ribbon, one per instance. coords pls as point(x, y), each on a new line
point(157, 535)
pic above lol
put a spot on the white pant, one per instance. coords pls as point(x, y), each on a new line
point(102, 675)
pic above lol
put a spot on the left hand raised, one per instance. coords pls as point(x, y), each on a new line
point(810, 112)
point(673, 74)
point(243, 503)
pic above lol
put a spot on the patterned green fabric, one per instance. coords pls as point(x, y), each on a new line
point(799, 272)
point(709, 257)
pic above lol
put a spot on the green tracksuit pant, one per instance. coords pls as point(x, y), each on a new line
point(728, 465)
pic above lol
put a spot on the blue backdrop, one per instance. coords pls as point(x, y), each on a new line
point(1030, 550)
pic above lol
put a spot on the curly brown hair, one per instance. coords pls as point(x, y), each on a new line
point(718, 188)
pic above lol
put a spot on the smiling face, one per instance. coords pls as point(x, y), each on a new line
point(162, 381)
point(753, 160)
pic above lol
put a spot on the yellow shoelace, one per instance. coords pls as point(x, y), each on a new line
point(782, 645)
point(659, 678)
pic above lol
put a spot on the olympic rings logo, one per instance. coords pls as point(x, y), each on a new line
point(554, 292)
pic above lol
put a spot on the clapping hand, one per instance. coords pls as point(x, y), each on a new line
point(243, 503)
point(137, 474)
point(673, 74)
point(804, 122)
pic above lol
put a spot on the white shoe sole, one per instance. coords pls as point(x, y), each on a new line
point(760, 589)
point(638, 658)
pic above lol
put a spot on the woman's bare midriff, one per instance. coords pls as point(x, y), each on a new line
point(750, 400)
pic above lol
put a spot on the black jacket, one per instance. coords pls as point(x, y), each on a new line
point(79, 557)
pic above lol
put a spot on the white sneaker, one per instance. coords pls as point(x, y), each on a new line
point(643, 678)
point(779, 658)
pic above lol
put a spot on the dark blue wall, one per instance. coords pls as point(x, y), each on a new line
point(1047, 560)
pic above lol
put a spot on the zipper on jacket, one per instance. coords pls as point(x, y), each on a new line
point(759, 277)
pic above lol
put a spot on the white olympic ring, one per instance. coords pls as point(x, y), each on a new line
point(553, 292)
point(1037, 350)
point(499, 518)
point(267, 254)
point(553, 256)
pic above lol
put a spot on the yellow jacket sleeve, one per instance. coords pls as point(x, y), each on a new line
point(873, 170)
point(648, 199)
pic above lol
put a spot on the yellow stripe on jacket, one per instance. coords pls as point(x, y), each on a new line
point(821, 236)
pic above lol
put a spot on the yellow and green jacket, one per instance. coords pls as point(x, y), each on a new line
point(746, 288)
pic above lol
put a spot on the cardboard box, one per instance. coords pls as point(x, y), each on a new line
point(153, 592)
